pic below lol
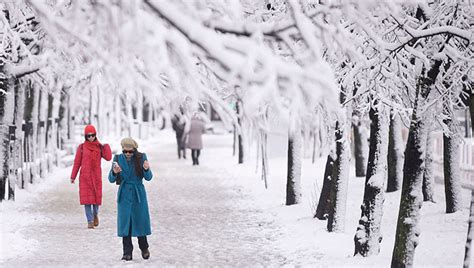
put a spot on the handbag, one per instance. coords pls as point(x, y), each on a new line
point(118, 179)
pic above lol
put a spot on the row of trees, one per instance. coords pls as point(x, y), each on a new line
point(278, 58)
point(46, 89)
point(410, 62)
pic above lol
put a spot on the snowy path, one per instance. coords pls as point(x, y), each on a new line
point(216, 214)
point(196, 220)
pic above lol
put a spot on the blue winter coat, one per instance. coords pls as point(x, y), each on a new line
point(132, 204)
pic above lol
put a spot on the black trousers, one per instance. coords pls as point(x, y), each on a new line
point(195, 155)
point(128, 246)
point(181, 146)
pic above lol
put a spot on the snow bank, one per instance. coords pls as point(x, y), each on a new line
point(13, 217)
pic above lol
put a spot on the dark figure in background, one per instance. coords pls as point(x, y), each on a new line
point(196, 130)
point(179, 126)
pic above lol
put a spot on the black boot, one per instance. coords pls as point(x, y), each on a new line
point(146, 254)
point(127, 247)
point(143, 243)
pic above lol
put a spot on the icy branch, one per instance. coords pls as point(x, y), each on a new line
point(197, 34)
point(22, 69)
point(272, 29)
point(66, 27)
point(418, 34)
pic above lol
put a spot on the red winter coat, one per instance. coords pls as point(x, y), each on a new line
point(88, 157)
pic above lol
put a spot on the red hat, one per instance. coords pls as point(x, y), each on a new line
point(89, 129)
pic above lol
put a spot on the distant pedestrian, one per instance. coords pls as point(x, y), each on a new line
point(133, 218)
point(194, 137)
point(179, 123)
point(88, 158)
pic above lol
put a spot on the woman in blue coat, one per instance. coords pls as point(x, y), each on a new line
point(133, 219)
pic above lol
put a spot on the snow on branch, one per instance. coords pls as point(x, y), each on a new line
point(235, 55)
point(418, 34)
point(305, 26)
point(67, 27)
point(22, 69)
point(271, 28)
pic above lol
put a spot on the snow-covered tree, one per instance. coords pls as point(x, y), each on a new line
point(433, 35)
point(368, 235)
point(427, 187)
point(395, 154)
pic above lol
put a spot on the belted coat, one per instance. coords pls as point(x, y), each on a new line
point(132, 206)
point(87, 160)
point(195, 134)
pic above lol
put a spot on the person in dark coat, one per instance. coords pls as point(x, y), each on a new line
point(87, 159)
point(133, 218)
point(194, 137)
point(179, 124)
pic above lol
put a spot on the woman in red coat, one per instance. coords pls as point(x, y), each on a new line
point(88, 157)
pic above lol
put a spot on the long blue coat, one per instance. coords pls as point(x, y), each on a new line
point(132, 204)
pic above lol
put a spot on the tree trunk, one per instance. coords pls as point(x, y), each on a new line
point(368, 236)
point(89, 121)
point(118, 115)
point(129, 113)
point(146, 119)
point(340, 177)
point(241, 148)
point(4, 156)
point(234, 143)
point(451, 157)
point(395, 155)
point(452, 179)
point(28, 129)
point(239, 136)
point(322, 209)
point(34, 144)
point(7, 105)
point(471, 106)
point(428, 176)
point(64, 116)
point(43, 116)
point(360, 149)
point(264, 143)
point(139, 105)
point(19, 110)
point(406, 237)
point(470, 229)
point(293, 178)
point(470, 234)
point(55, 135)
point(100, 113)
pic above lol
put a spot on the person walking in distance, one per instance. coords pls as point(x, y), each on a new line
point(194, 136)
point(179, 124)
point(133, 218)
point(87, 159)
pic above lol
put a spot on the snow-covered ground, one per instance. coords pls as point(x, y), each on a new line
point(218, 213)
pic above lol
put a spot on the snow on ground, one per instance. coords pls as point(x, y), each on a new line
point(442, 240)
point(218, 213)
point(18, 215)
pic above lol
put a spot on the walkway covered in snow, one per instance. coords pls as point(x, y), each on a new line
point(215, 214)
point(197, 219)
